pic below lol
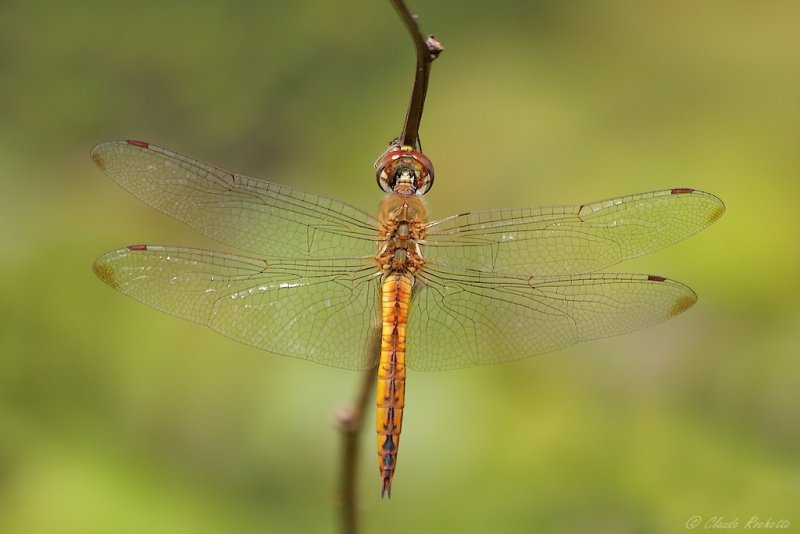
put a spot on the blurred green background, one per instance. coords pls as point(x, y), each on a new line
point(116, 418)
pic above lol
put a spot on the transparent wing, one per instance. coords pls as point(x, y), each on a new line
point(326, 311)
point(253, 215)
point(465, 318)
point(570, 239)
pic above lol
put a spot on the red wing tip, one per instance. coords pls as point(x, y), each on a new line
point(136, 142)
point(137, 247)
point(682, 190)
point(654, 278)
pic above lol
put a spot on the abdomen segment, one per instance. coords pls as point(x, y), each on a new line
point(390, 395)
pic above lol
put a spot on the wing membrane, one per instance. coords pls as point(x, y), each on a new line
point(465, 318)
point(570, 239)
point(326, 311)
point(253, 215)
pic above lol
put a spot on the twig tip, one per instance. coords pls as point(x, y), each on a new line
point(435, 47)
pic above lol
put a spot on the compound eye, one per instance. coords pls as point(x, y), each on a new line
point(405, 171)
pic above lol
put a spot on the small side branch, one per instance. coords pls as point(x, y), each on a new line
point(427, 50)
point(350, 421)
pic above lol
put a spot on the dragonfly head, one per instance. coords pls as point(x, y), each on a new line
point(403, 170)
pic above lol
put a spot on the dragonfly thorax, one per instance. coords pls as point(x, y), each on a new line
point(402, 227)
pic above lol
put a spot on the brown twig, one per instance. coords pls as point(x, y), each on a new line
point(427, 50)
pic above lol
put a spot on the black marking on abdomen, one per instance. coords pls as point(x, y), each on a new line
point(388, 445)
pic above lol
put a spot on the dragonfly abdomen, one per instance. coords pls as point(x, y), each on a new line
point(390, 396)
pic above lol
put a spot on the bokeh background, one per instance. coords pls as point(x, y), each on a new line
point(116, 418)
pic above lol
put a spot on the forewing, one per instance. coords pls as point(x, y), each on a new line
point(253, 215)
point(465, 318)
point(325, 311)
point(570, 239)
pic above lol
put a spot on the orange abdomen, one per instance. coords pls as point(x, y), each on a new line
point(395, 300)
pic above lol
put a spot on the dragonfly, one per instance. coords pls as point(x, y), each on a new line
point(323, 281)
